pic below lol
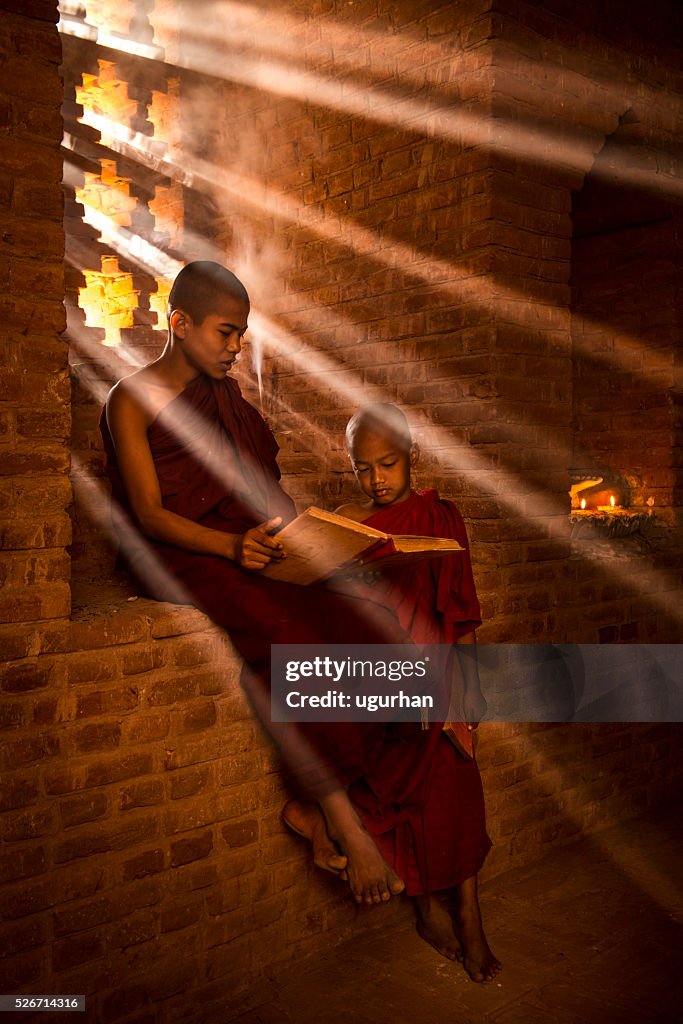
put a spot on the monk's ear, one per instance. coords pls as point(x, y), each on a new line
point(414, 454)
point(177, 322)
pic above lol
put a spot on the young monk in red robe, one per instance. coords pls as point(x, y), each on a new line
point(198, 502)
point(421, 800)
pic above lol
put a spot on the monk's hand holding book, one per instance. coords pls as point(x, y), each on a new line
point(259, 547)
point(320, 545)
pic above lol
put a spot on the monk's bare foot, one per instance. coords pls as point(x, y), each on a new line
point(306, 819)
point(478, 960)
point(435, 926)
point(370, 877)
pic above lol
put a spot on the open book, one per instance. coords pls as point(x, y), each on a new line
point(321, 544)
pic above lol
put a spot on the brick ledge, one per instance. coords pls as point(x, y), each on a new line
point(106, 613)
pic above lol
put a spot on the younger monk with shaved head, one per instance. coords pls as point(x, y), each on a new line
point(421, 800)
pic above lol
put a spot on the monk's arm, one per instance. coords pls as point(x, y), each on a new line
point(128, 421)
point(466, 679)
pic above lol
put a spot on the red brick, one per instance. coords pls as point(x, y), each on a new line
point(35, 199)
point(169, 979)
point(24, 676)
point(15, 643)
point(90, 668)
point(33, 424)
point(144, 728)
point(142, 659)
point(192, 848)
point(17, 790)
point(22, 862)
point(25, 935)
point(77, 949)
point(106, 701)
point(142, 794)
point(81, 918)
point(189, 782)
point(114, 770)
point(116, 837)
point(173, 691)
point(135, 929)
point(196, 651)
point(86, 807)
point(27, 970)
point(28, 825)
point(98, 736)
point(240, 834)
point(150, 862)
point(200, 716)
point(11, 716)
point(181, 916)
point(124, 1000)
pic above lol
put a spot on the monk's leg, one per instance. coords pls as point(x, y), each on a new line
point(370, 877)
point(435, 926)
point(478, 960)
point(307, 820)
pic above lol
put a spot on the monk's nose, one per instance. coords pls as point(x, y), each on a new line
point(234, 343)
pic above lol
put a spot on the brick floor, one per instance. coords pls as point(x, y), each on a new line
point(591, 934)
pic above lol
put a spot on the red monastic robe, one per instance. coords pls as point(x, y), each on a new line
point(423, 802)
point(215, 458)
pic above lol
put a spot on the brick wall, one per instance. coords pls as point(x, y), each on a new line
point(143, 861)
point(35, 384)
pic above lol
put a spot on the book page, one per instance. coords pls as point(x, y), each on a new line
point(332, 517)
point(318, 544)
point(405, 542)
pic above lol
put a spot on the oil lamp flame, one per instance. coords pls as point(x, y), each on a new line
point(612, 500)
point(583, 503)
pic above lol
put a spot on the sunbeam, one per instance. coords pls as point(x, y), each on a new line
point(461, 282)
point(514, 492)
point(567, 146)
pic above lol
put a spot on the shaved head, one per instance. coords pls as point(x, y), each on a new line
point(198, 287)
point(380, 418)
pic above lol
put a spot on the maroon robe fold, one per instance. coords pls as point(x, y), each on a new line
point(421, 800)
point(215, 458)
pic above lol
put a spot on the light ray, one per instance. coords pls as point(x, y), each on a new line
point(287, 37)
point(661, 889)
point(345, 382)
point(464, 284)
point(511, 490)
point(570, 146)
point(70, 24)
point(109, 515)
point(126, 242)
point(365, 243)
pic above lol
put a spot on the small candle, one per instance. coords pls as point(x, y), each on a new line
point(583, 503)
point(611, 500)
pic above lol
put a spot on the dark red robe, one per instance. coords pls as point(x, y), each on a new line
point(215, 458)
point(423, 802)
